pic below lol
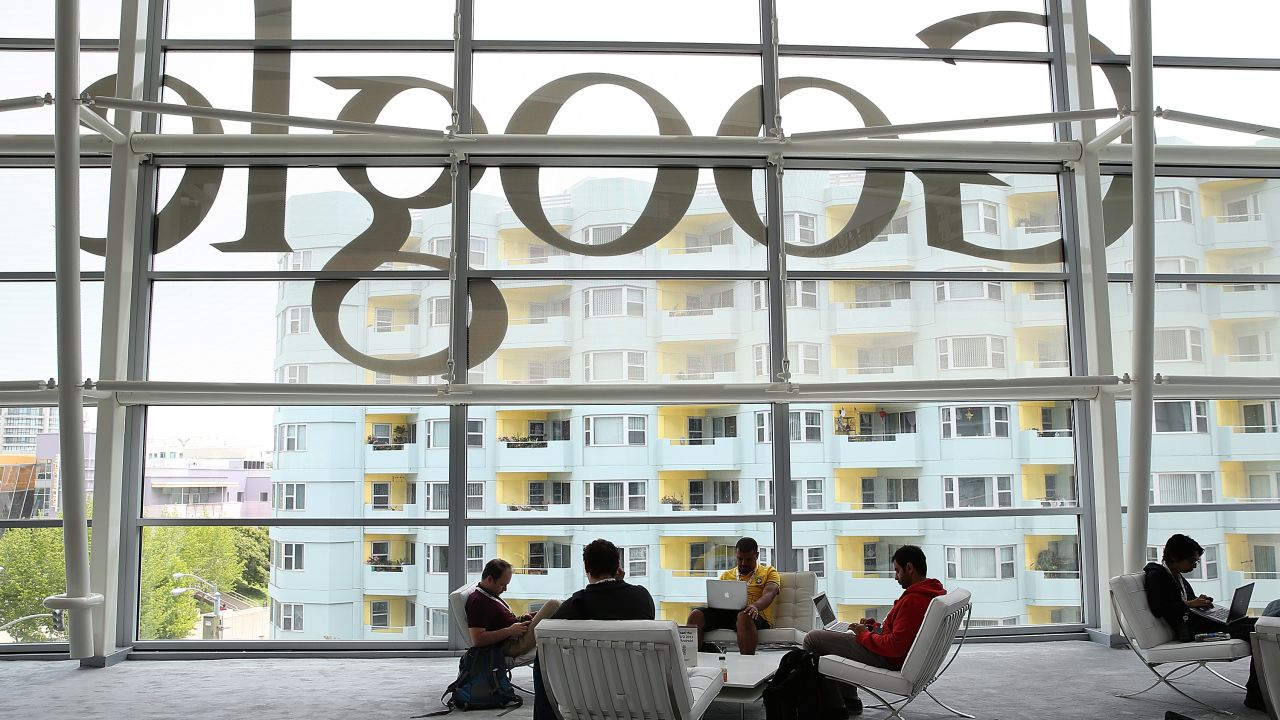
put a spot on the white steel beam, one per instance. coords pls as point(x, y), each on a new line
point(1144, 283)
point(66, 171)
point(1105, 137)
point(103, 128)
point(24, 103)
point(946, 125)
point(1220, 123)
point(262, 118)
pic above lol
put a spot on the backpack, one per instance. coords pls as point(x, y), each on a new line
point(484, 683)
point(798, 691)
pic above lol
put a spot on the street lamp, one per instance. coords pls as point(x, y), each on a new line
point(212, 592)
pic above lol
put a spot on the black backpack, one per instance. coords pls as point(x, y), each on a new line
point(484, 683)
point(798, 691)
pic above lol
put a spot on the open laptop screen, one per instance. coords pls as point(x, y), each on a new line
point(825, 613)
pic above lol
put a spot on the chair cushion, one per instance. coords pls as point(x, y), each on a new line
point(778, 636)
point(705, 682)
point(1224, 650)
point(857, 673)
point(1144, 628)
point(793, 608)
point(458, 611)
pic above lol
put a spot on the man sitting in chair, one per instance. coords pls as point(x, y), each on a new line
point(884, 645)
point(490, 618)
point(607, 596)
point(1171, 599)
point(763, 585)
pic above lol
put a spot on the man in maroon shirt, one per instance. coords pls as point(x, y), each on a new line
point(490, 618)
point(884, 645)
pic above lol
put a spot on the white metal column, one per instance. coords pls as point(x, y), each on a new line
point(66, 171)
point(1144, 285)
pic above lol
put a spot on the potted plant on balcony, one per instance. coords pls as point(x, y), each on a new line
point(676, 503)
point(400, 434)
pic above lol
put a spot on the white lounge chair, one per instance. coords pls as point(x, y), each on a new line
point(793, 613)
point(946, 615)
point(621, 670)
point(1152, 640)
point(458, 615)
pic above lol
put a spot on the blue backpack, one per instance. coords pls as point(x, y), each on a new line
point(484, 682)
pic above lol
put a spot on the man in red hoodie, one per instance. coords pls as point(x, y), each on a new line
point(884, 645)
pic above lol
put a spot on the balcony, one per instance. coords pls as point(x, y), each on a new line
point(1045, 444)
point(1237, 232)
point(543, 583)
point(887, 449)
point(1246, 300)
point(388, 632)
point(534, 455)
point(737, 508)
point(390, 510)
point(540, 512)
point(393, 339)
point(704, 324)
point(877, 374)
point(194, 510)
point(877, 588)
point(699, 452)
point(1266, 586)
point(537, 332)
point(876, 316)
point(1241, 440)
point(391, 457)
point(1058, 587)
point(390, 578)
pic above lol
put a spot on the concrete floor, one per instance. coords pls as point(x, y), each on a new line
point(1066, 680)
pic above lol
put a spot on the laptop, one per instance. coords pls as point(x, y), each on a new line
point(726, 594)
point(827, 615)
point(1227, 615)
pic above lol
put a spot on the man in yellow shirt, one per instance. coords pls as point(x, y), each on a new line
point(762, 588)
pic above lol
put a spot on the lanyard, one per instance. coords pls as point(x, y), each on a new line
point(493, 597)
point(1177, 580)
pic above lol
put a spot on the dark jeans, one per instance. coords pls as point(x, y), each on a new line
point(542, 709)
point(720, 619)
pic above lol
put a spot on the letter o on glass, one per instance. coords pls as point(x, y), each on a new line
point(881, 189)
point(673, 188)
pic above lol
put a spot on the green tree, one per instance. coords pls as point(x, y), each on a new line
point(33, 570)
point(253, 544)
point(209, 552)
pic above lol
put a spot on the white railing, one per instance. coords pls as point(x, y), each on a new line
point(1065, 432)
point(392, 328)
point(687, 376)
point(1253, 429)
point(691, 313)
point(878, 437)
point(1246, 217)
point(1252, 357)
point(1261, 575)
point(692, 441)
point(1052, 363)
point(1029, 229)
point(1055, 502)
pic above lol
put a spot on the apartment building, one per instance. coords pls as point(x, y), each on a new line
point(555, 464)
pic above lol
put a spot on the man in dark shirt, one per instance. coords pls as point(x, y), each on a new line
point(1171, 599)
point(607, 596)
point(490, 618)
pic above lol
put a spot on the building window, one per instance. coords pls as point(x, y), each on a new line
point(296, 261)
point(288, 556)
point(475, 496)
point(621, 301)
point(635, 561)
point(1181, 489)
point(970, 352)
point(1172, 205)
point(443, 246)
point(975, 421)
point(437, 622)
point(289, 616)
point(805, 358)
point(439, 310)
point(888, 493)
point(803, 426)
point(1182, 416)
point(293, 374)
point(980, 216)
point(438, 433)
point(1253, 348)
point(615, 430)
point(880, 360)
point(1179, 345)
point(968, 290)
point(380, 613)
point(981, 563)
point(799, 294)
point(880, 293)
point(1047, 290)
point(475, 559)
point(560, 493)
point(616, 496)
point(290, 496)
point(806, 494)
point(437, 496)
point(897, 226)
point(978, 491)
point(764, 494)
point(297, 320)
point(614, 366)
point(800, 228)
point(437, 559)
point(1243, 209)
point(602, 234)
point(811, 559)
point(291, 437)
point(381, 495)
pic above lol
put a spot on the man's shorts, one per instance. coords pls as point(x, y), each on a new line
point(719, 619)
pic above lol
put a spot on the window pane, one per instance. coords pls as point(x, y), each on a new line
point(813, 22)
point(388, 19)
point(730, 21)
point(32, 559)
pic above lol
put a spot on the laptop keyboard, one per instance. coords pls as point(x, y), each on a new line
point(1218, 613)
point(839, 627)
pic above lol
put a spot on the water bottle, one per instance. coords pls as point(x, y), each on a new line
point(724, 667)
point(1210, 637)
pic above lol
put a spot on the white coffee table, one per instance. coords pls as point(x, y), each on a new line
point(748, 675)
